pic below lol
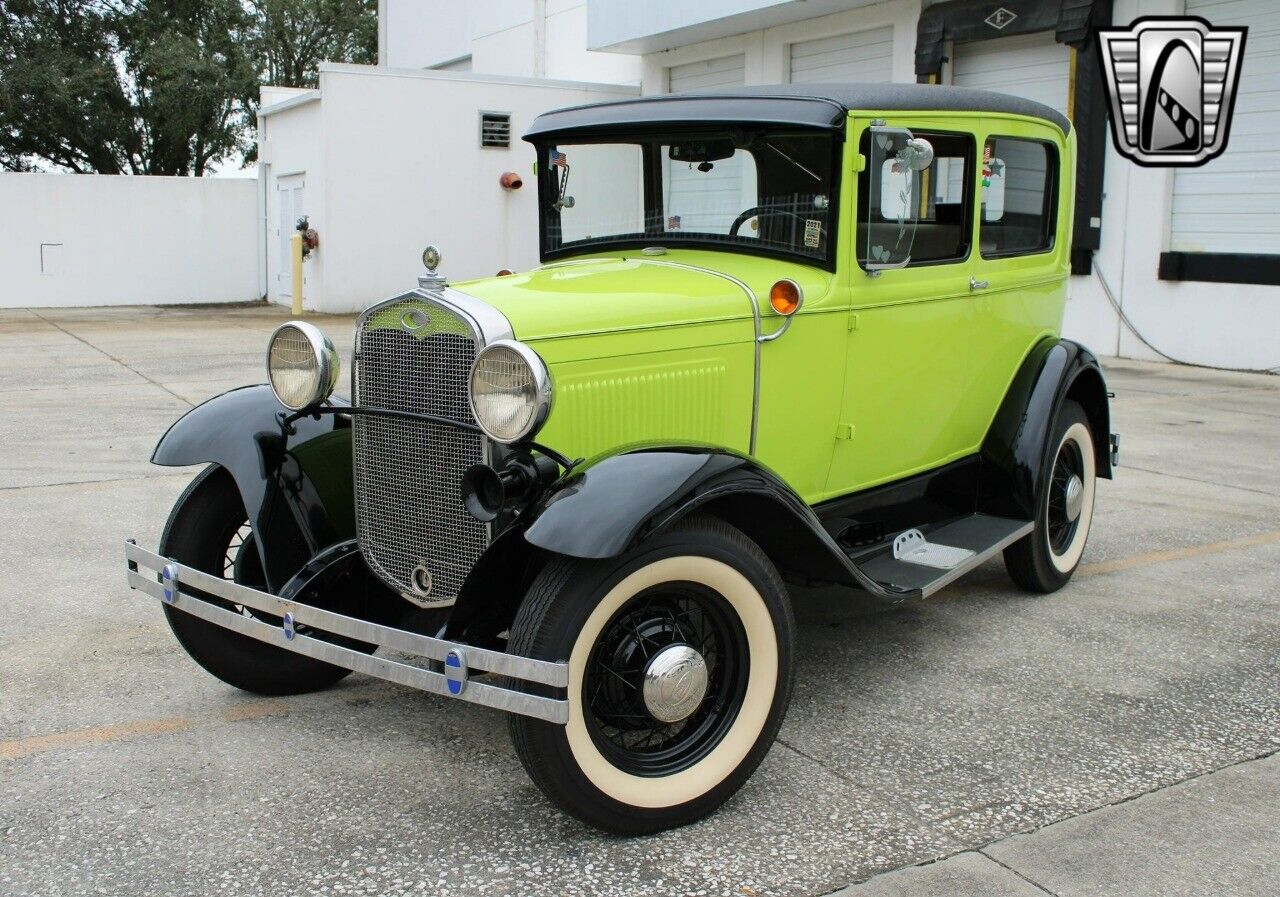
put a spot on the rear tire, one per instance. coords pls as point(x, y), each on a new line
point(1045, 559)
point(206, 520)
point(647, 750)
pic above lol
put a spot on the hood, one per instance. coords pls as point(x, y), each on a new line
point(601, 295)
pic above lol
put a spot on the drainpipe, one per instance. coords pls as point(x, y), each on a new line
point(264, 217)
point(539, 38)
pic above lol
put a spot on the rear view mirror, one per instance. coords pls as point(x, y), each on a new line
point(916, 155)
point(701, 151)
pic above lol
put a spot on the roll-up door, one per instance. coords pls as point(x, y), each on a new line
point(1034, 66)
point(1230, 203)
point(860, 56)
point(728, 71)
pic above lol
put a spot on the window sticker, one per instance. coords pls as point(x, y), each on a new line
point(812, 232)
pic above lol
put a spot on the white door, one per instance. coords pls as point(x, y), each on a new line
point(865, 56)
point(291, 205)
point(1229, 204)
point(1034, 66)
point(706, 201)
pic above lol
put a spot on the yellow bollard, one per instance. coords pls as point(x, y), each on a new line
point(295, 253)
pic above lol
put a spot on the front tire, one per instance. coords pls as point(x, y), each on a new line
point(208, 530)
point(680, 662)
point(1045, 560)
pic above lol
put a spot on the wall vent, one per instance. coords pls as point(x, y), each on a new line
point(495, 129)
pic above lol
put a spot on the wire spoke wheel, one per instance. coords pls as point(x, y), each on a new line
point(1065, 489)
point(655, 723)
point(209, 531)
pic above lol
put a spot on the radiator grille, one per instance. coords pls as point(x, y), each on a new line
point(409, 512)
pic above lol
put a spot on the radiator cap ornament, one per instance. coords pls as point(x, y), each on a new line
point(431, 259)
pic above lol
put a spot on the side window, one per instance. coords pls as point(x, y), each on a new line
point(936, 200)
point(1019, 205)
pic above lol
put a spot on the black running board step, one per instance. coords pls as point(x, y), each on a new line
point(982, 534)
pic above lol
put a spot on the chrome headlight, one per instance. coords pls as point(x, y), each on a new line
point(510, 391)
point(301, 364)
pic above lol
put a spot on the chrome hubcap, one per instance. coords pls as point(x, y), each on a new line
point(675, 682)
point(1074, 497)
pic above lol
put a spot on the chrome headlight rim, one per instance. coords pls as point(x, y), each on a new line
point(328, 363)
point(543, 390)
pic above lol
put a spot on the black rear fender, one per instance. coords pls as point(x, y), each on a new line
point(1015, 450)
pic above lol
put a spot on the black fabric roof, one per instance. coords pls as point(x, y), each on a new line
point(800, 105)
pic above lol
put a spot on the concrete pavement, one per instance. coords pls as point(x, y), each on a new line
point(919, 734)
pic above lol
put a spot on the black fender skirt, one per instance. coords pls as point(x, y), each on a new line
point(296, 486)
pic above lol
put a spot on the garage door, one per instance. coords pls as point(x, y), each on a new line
point(1229, 204)
point(728, 71)
point(705, 201)
point(861, 56)
point(1034, 66)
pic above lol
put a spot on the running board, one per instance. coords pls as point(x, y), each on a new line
point(926, 563)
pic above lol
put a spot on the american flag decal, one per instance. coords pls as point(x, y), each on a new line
point(673, 222)
point(559, 159)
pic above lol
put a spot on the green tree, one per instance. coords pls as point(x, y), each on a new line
point(164, 87)
point(296, 35)
point(61, 98)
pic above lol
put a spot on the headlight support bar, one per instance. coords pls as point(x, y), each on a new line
point(287, 419)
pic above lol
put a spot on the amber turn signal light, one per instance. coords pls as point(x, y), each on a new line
point(505, 272)
point(784, 296)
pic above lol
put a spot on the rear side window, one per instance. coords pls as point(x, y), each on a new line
point(1019, 205)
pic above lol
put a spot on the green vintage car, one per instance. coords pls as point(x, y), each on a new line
point(799, 334)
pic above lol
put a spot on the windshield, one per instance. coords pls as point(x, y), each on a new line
point(767, 192)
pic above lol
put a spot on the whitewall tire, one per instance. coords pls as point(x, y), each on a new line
point(1045, 560)
point(680, 672)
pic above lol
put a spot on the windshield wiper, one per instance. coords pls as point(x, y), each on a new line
point(793, 161)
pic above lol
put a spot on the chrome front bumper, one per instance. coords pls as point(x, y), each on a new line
point(458, 660)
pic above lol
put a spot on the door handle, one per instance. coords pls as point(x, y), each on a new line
point(975, 284)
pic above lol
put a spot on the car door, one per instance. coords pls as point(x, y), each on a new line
point(1021, 257)
point(909, 360)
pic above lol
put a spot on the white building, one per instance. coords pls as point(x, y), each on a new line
point(391, 156)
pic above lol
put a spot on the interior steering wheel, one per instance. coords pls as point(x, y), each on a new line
point(760, 211)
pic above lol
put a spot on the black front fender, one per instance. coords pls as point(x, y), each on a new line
point(617, 502)
point(296, 486)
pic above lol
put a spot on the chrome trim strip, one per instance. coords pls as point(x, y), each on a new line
point(491, 324)
point(527, 669)
point(980, 558)
point(755, 314)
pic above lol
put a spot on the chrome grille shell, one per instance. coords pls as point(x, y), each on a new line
point(414, 353)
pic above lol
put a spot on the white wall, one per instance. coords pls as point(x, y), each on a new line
point(395, 178)
point(654, 25)
point(291, 142)
point(1226, 325)
point(768, 50)
point(423, 33)
point(126, 240)
point(522, 38)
